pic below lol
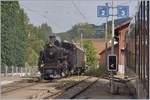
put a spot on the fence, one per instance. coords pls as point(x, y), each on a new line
point(18, 71)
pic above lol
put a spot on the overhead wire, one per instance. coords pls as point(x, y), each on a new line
point(39, 13)
point(74, 5)
point(77, 8)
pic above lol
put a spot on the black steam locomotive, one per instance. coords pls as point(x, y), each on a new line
point(60, 58)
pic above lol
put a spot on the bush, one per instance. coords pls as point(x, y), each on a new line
point(90, 53)
point(32, 57)
point(97, 71)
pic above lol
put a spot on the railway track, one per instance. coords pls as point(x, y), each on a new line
point(66, 88)
point(84, 89)
point(73, 90)
point(41, 90)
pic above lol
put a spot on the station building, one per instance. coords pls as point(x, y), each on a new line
point(133, 55)
point(119, 47)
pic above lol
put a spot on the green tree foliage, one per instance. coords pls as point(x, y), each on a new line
point(35, 44)
point(32, 57)
point(13, 36)
point(92, 61)
point(37, 36)
point(86, 29)
point(91, 30)
point(64, 36)
point(21, 42)
point(90, 53)
point(44, 32)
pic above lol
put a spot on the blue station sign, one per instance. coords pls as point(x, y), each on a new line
point(122, 11)
point(102, 11)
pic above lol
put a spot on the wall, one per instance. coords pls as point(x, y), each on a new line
point(102, 59)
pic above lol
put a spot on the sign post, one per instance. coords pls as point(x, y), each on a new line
point(103, 11)
point(106, 39)
point(112, 51)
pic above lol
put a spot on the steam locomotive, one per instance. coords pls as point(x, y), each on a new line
point(61, 58)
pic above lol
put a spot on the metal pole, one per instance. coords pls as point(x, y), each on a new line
point(21, 72)
point(25, 71)
point(6, 69)
point(148, 63)
point(81, 40)
point(12, 71)
point(106, 39)
point(16, 70)
point(112, 50)
point(81, 47)
point(112, 28)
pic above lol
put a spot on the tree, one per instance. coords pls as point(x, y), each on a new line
point(86, 29)
point(35, 44)
point(90, 53)
point(32, 57)
point(21, 42)
point(37, 37)
point(44, 32)
point(13, 36)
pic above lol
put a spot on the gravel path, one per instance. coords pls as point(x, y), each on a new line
point(101, 90)
point(40, 89)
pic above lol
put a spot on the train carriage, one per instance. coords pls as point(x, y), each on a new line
point(76, 58)
point(79, 59)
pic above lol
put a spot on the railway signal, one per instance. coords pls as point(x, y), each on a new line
point(112, 62)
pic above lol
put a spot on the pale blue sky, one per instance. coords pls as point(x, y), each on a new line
point(61, 15)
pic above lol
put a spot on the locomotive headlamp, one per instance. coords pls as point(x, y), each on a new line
point(51, 53)
point(50, 45)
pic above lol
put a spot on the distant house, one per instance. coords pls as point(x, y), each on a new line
point(102, 54)
point(99, 43)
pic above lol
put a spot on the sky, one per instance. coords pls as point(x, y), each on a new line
point(61, 15)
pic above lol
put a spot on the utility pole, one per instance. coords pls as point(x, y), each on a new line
point(103, 11)
point(112, 49)
point(81, 40)
point(81, 37)
point(106, 32)
point(112, 28)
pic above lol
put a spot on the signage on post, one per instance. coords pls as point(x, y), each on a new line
point(102, 11)
point(122, 11)
point(112, 62)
